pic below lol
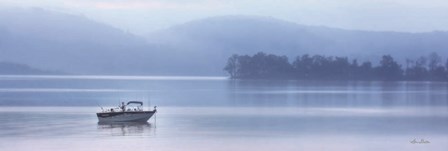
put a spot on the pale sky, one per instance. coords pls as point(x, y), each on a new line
point(144, 16)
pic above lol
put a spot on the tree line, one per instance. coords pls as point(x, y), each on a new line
point(320, 67)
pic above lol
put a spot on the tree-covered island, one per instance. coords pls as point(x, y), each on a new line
point(320, 67)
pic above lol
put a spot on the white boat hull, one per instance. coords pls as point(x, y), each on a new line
point(139, 116)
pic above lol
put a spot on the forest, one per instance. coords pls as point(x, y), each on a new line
point(321, 67)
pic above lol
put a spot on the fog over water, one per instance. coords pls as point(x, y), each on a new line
point(63, 61)
point(215, 91)
point(214, 113)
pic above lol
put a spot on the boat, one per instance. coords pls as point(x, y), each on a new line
point(126, 113)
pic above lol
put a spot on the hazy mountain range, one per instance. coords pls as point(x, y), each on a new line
point(75, 44)
point(7, 68)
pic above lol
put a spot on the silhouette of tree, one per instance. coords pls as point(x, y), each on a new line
point(446, 70)
point(417, 70)
point(389, 69)
point(302, 66)
point(436, 70)
point(244, 67)
point(259, 65)
point(434, 61)
point(365, 71)
point(232, 66)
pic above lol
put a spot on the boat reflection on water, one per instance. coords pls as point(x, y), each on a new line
point(125, 128)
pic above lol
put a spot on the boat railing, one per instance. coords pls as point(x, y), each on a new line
point(126, 108)
point(117, 109)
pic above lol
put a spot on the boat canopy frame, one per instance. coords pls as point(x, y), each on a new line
point(135, 102)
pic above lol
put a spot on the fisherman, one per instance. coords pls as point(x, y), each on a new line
point(123, 107)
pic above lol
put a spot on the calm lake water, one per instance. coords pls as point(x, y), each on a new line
point(213, 113)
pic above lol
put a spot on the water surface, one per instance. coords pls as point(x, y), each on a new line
point(212, 113)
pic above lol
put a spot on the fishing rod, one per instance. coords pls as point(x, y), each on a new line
point(100, 107)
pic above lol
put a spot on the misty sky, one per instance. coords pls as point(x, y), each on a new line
point(143, 16)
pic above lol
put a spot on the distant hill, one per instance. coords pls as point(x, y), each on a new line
point(226, 35)
point(8, 68)
point(57, 41)
point(76, 44)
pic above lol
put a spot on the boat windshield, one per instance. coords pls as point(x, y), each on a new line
point(135, 102)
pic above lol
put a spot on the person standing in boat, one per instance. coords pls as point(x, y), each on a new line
point(123, 107)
